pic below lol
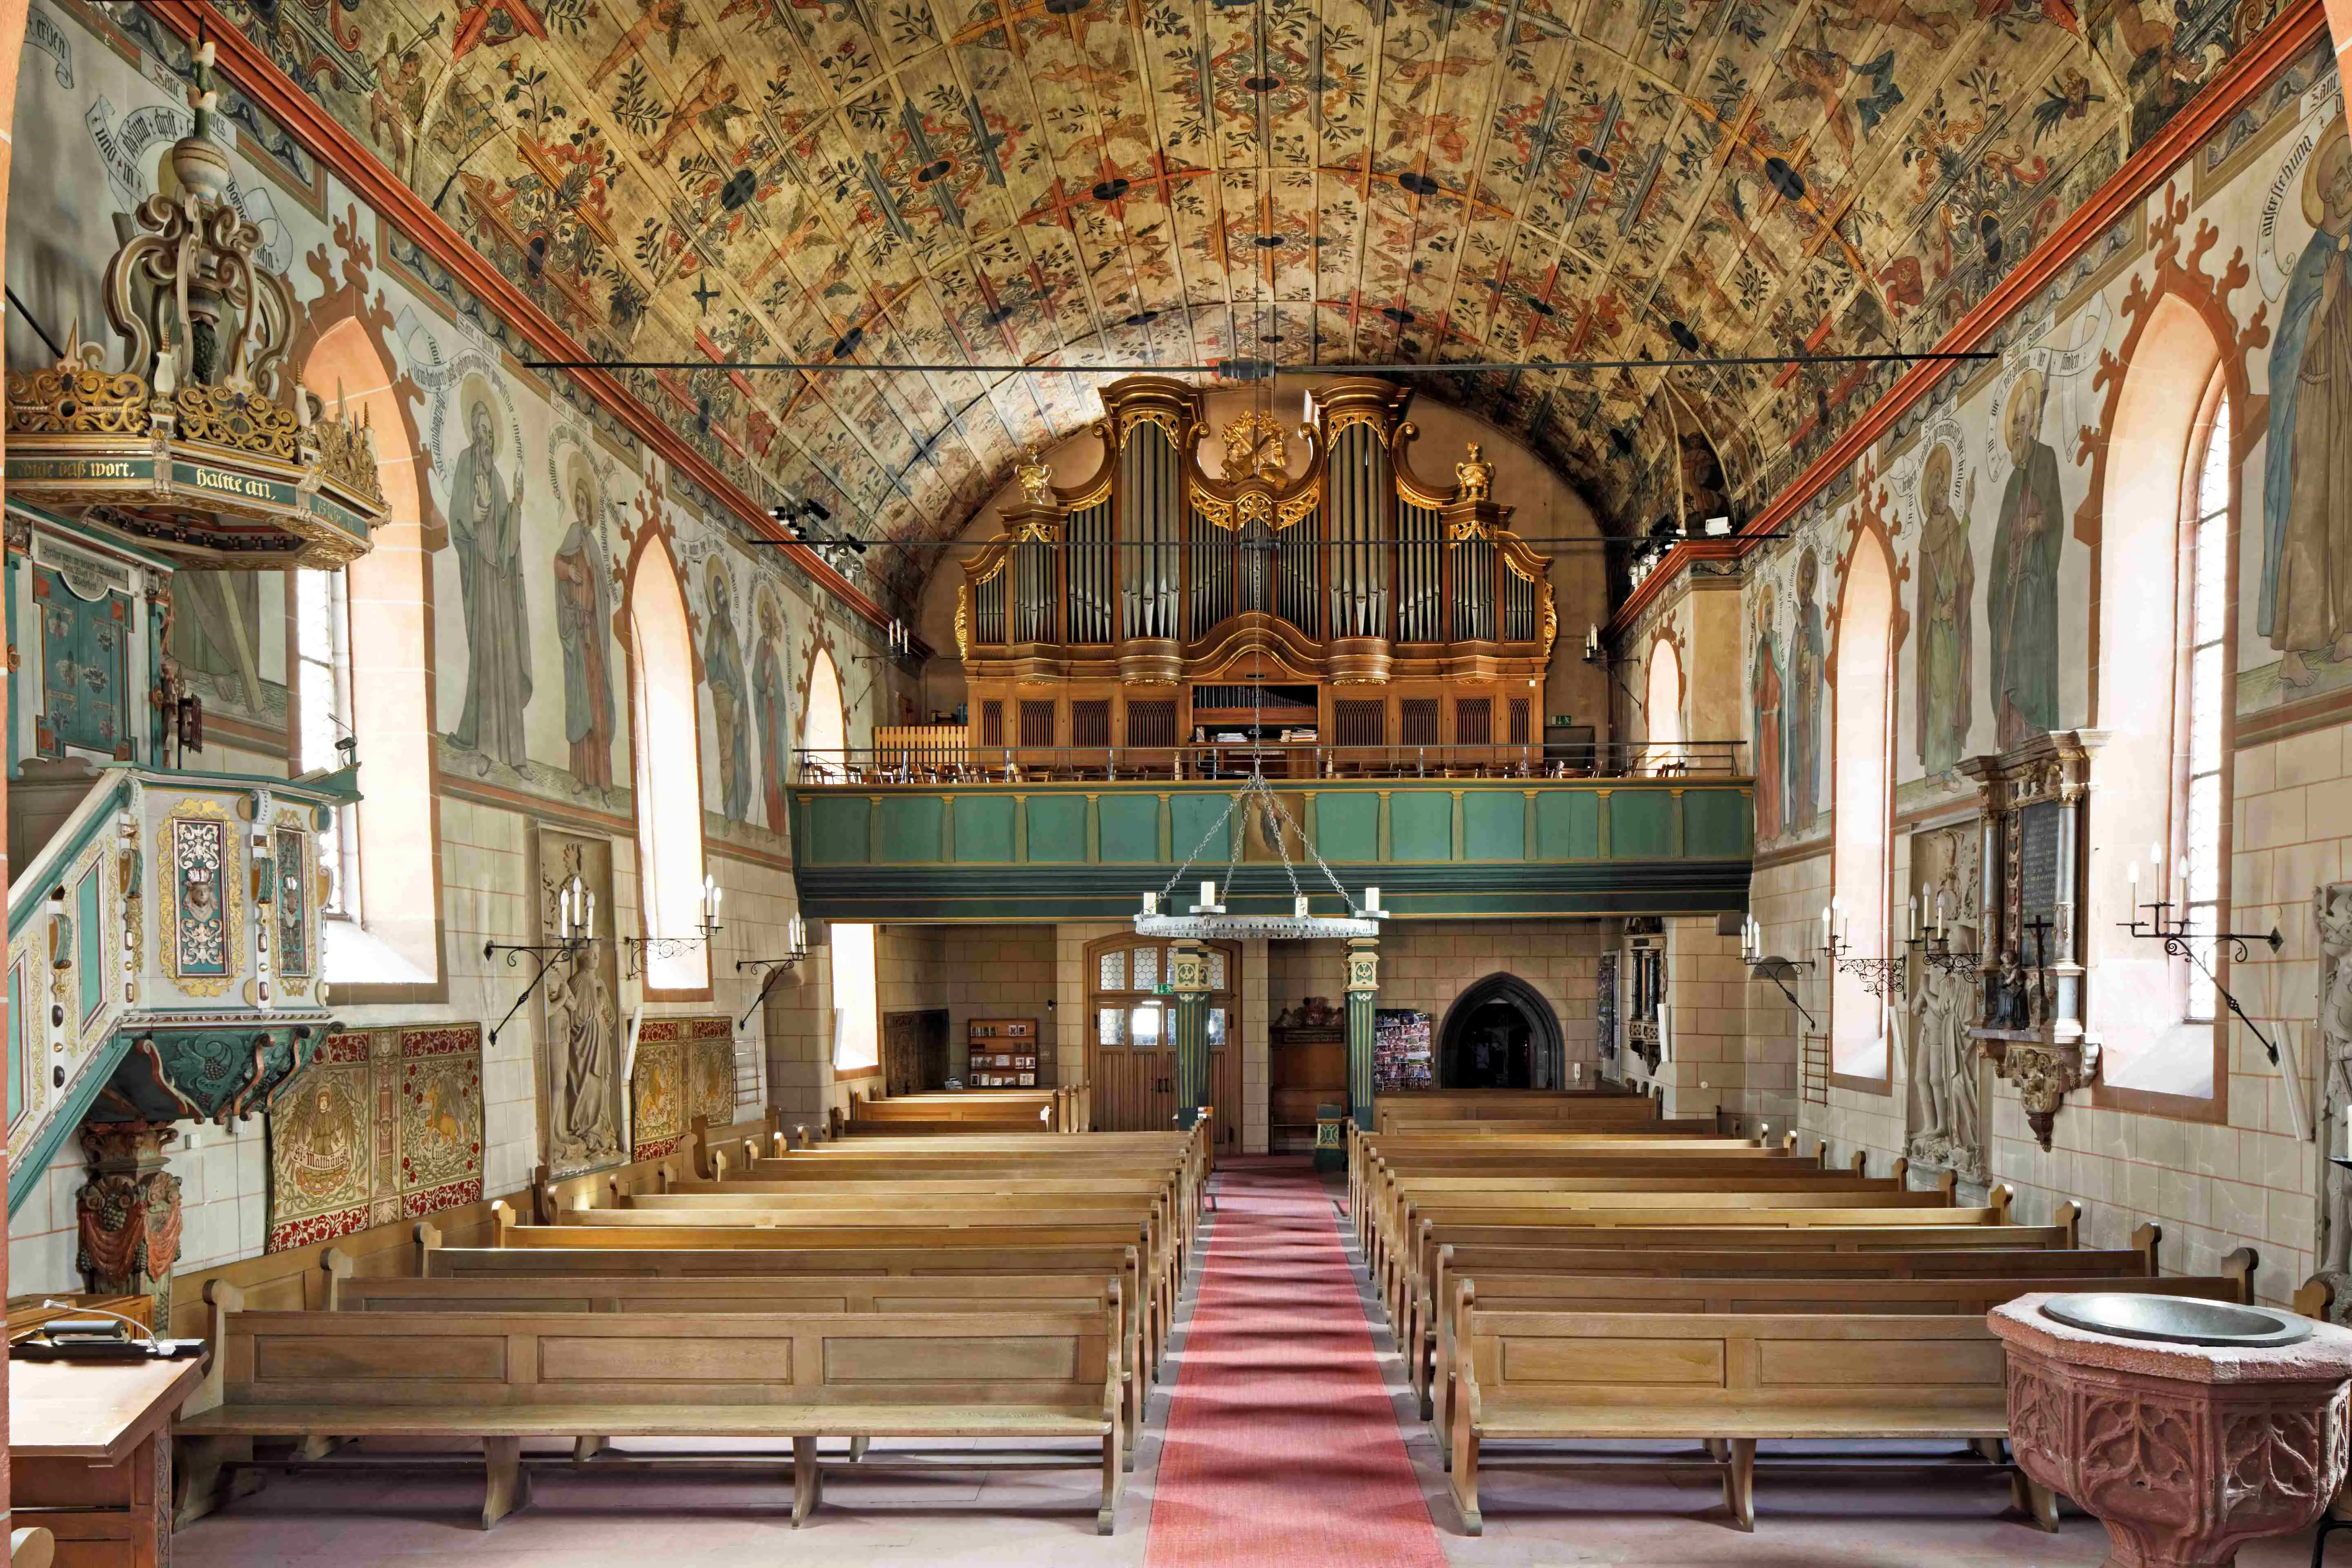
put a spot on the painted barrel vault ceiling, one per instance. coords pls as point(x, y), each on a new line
point(1324, 181)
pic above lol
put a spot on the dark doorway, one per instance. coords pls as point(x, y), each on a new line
point(1499, 1034)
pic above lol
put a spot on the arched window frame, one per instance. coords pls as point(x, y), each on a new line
point(389, 949)
point(1865, 640)
point(665, 668)
point(2160, 434)
point(824, 721)
point(1666, 686)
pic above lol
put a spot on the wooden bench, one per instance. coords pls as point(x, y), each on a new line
point(499, 1377)
point(687, 1258)
point(1975, 1294)
point(854, 1231)
point(1087, 1290)
point(1415, 1252)
point(1727, 1378)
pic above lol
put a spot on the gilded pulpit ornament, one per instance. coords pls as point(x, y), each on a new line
point(1254, 449)
point(1476, 476)
point(204, 446)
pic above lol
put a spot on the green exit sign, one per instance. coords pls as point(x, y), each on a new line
point(1163, 989)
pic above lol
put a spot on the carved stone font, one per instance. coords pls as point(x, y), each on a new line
point(2184, 1453)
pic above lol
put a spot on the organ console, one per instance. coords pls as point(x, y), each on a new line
point(1353, 603)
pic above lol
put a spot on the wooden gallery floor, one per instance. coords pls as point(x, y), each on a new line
point(1287, 1438)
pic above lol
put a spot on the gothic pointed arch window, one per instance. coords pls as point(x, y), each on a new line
point(362, 687)
point(825, 736)
point(2169, 518)
point(668, 772)
point(1861, 674)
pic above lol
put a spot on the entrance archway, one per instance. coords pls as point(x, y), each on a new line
point(1500, 1034)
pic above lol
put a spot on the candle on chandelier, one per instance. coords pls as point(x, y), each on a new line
point(1371, 901)
point(1207, 894)
point(1150, 903)
point(1298, 906)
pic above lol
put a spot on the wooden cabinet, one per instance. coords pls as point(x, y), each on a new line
point(1308, 1067)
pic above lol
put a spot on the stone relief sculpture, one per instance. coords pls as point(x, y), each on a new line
point(581, 1084)
point(2331, 910)
point(1948, 1106)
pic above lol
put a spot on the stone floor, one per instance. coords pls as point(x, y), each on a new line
point(1045, 1519)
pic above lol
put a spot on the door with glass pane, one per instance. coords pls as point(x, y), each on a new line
point(1130, 1041)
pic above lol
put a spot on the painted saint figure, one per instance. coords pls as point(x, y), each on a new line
point(771, 691)
point(582, 616)
point(722, 666)
point(1947, 580)
point(2306, 601)
point(1807, 652)
point(485, 529)
point(2022, 594)
point(1765, 682)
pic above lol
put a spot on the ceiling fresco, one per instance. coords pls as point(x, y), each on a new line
point(1325, 181)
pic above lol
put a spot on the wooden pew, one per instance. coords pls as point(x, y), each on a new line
point(1976, 1293)
point(1721, 1377)
point(499, 1377)
point(998, 1293)
point(1412, 1305)
point(1415, 1252)
point(1146, 1338)
point(853, 1232)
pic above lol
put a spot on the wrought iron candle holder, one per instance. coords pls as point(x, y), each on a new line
point(549, 955)
point(1878, 976)
point(796, 939)
point(2180, 940)
point(645, 949)
point(1936, 952)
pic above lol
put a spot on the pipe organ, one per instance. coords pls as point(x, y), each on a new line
point(1349, 591)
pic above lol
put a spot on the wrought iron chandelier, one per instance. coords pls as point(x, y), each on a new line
point(1209, 917)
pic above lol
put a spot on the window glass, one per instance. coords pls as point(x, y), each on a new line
point(2208, 676)
point(857, 1018)
point(1143, 1026)
point(1147, 968)
point(324, 686)
point(1113, 972)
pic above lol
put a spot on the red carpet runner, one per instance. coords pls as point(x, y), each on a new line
point(1282, 1446)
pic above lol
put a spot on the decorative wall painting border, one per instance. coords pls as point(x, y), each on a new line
point(384, 1125)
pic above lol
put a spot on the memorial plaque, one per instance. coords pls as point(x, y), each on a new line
point(1605, 1008)
point(2037, 879)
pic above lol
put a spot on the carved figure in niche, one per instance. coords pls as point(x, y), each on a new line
point(584, 1024)
point(1806, 664)
point(2331, 910)
point(722, 666)
point(2022, 598)
point(1706, 493)
point(1948, 580)
point(2010, 1005)
point(485, 529)
point(2306, 599)
point(1316, 1012)
point(582, 615)
point(770, 690)
point(1765, 684)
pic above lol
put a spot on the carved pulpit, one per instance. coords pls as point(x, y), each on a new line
point(2032, 811)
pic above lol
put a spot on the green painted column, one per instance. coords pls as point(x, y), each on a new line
point(1188, 973)
point(1363, 992)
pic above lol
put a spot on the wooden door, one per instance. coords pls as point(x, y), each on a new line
point(1131, 1049)
point(914, 1050)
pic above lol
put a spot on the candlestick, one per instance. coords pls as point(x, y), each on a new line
point(1371, 901)
point(1298, 906)
point(1207, 894)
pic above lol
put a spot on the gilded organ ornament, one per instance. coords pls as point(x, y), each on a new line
point(1254, 449)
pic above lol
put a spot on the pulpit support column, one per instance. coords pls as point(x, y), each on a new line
point(1188, 973)
point(1363, 992)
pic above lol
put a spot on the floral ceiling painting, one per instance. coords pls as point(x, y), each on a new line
point(976, 182)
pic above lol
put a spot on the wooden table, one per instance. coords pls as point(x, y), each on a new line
point(89, 1452)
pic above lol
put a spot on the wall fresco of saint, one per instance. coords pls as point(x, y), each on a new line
point(1987, 486)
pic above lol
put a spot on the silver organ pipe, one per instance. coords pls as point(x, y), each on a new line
point(1518, 607)
point(1298, 561)
point(1033, 595)
point(1420, 556)
point(1149, 496)
point(1474, 590)
point(1090, 556)
point(1357, 558)
point(1214, 553)
point(988, 606)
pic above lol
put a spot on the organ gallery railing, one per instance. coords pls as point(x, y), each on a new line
point(1354, 571)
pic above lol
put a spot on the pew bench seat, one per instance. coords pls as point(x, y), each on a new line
point(1728, 1379)
point(501, 1377)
